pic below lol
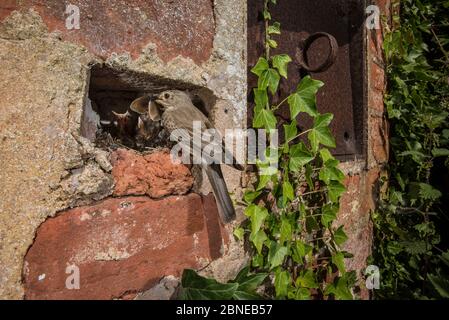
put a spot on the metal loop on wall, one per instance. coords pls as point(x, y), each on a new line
point(301, 58)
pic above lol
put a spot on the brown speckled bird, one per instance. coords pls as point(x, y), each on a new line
point(178, 112)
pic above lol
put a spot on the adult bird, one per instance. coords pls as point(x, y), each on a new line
point(178, 112)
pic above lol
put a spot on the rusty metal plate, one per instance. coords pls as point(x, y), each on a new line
point(343, 93)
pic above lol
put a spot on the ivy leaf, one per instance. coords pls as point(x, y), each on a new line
point(269, 79)
point(266, 15)
point(261, 66)
point(287, 190)
point(276, 254)
point(250, 196)
point(281, 282)
point(257, 216)
point(343, 283)
point(290, 131)
point(258, 240)
point(260, 98)
point(300, 250)
point(265, 119)
point(338, 260)
point(275, 28)
point(302, 294)
point(308, 176)
point(249, 282)
point(320, 133)
point(304, 98)
point(331, 172)
point(440, 152)
point(307, 280)
point(263, 181)
point(281, 62)
point(195, 287)
point(326, 155)
point(335, 189)
point(299, 156)
point(239, 232)
point(328, 214)
point(285, 230)
point(340, 236)
point(272, 43)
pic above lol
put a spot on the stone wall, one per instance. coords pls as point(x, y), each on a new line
point(131, 222)
point(153, 222)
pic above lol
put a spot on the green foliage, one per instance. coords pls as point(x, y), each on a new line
point(292, 211)
point(243, 287)
point(410, 222)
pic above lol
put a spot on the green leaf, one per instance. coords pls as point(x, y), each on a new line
point(307, 280)
point(249, 282)
point(320, 133)
point(287, 190)
point(263, 181)
point(299, 156)
point(276, 254)
point(440, 152)
point(195, 287)
point(335, 190)
point(285, 230)
point(328, 214)
point(250, 196)
point(338, 260)
point(428, 192)
point(266, 15)
point(239, 232)
point(275, 28)
point(281, 62)
point(302, 294)
point(242, 295)
point(342, 291)
point(281, 283)
point(340, 236)
point(258, 240)
point(257, 216)
point(311, 224)
point(300, 250)
point(290, 131)
point(331, 173)
point(326, 155)
point(265, 119)
point(261, 66)
point(272, 43)
point(269, 79)
point(441, 284)
point(261, 99)
point(304, 98)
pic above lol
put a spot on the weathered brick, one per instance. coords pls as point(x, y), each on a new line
point(152, 174)
point(177, 27)
point(122, 246)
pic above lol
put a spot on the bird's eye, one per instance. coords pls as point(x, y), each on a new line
point(166, 95)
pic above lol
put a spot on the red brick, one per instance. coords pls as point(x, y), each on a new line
point(152, 174)
point(122, 246)
point(177, 27)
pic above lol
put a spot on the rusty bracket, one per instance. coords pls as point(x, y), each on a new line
point(301, 58)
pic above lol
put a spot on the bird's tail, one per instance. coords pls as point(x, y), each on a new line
point(224, 202)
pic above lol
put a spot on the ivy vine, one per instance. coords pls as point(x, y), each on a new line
point(292, 210)
point(410, 243)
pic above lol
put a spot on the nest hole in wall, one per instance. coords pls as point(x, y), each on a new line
point(109, 120)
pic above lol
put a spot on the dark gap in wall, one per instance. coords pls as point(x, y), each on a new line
point(111, 93)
